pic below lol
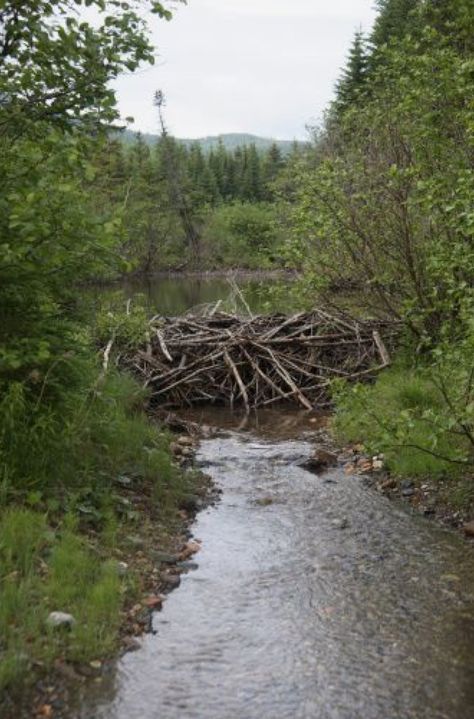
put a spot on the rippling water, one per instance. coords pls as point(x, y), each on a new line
point(291, 617)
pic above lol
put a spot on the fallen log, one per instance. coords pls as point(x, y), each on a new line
point(257, 361)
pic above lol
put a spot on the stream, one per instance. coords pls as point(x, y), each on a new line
point(314, 597)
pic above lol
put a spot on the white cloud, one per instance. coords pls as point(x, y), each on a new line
point(261, 66)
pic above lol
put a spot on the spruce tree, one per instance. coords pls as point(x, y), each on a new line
point(272, 165)
point(352, 81)
point(393, 21)
point(252, 181)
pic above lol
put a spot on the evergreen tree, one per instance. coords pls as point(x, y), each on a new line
point(251, 179)
point(353, 78)
point(272, 165)
point(140, 153)
point(196, 163)
point(393, 21)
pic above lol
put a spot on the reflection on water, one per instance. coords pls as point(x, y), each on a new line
point(291, 617)
point(176, 295)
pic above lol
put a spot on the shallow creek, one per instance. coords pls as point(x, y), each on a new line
point(291, 616)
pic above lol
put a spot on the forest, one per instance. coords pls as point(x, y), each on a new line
point(185, 208)
point(375, 213)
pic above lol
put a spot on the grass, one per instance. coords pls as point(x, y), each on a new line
point(44, 571)
point(392, 416)
point(66, 513)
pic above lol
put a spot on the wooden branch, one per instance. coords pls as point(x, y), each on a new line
point(384, 355)
point(163, 346)
point(237, 376)
point(222, 358)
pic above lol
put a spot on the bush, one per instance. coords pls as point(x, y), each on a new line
point(243, 235)
point(405, 416)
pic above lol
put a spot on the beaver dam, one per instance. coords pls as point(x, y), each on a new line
point(219, 358)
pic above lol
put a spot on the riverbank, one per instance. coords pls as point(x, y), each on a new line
point(81, 576)
point(420, 429)
point(150, 563)
point(448, 501)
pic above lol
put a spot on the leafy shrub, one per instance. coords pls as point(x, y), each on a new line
point(405, 416)
point(242, 234)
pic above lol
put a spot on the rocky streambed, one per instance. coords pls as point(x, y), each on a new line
point(311, 597)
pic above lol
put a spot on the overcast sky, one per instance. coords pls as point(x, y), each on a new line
point(266, 67)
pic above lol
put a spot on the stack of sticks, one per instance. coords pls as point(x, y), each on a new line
point(221, 358)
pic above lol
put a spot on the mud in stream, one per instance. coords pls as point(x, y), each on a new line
point(314, 598)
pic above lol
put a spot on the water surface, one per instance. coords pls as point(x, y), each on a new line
point(176, 295)
point(290, 616)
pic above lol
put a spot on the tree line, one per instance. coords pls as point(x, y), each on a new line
point(183, 207)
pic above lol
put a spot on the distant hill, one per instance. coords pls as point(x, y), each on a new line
point(230, 141)
point(237, 139)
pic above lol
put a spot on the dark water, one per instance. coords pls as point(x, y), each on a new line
point(176, 295)
point(291, 617)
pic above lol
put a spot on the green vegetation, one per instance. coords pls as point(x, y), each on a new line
point(381, 206)
point(176, 198)
point(243, 235)
point(395, 417)
point(45, 571)
point(67, 465)
point(71, 431)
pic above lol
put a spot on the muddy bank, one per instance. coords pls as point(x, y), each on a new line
point(447, 501)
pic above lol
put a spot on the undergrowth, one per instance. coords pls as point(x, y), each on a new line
point(404, 415)
point(46, 570)
point(63, 468)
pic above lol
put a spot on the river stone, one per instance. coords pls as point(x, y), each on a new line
point(191, 503)
point(60, 619)
point(175, 448)
point(407, 487)
point(130, 644)
point(264, 501)
point(188, 566)
point(171, 581)
point(122, 569)
point(342, 523)
point(319, 461)
point(185, 441)
point(163, 558)
point(469, 529)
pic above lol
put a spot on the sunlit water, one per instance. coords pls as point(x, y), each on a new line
point(291, 617)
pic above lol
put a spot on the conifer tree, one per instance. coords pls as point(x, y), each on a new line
point(353, 77)
point(272, 166)
point(393, 21)
point(251, 180)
